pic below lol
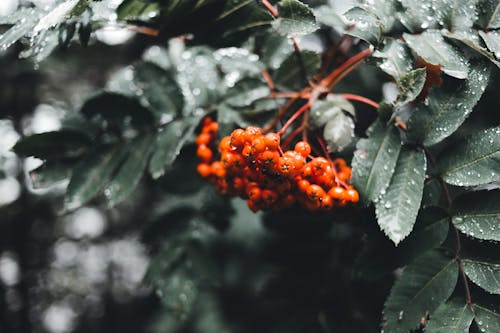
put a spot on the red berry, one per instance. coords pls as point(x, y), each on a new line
point(303, 148)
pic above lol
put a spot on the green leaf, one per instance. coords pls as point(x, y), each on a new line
point(53, 145)
point(328, 16)
point(459, 15)
point(433, 194)
point(374, 160)
point(487, 320)
point(134, 9)
point(430, 231)
point(49, 174)
point(339, 132)
point(447, 108)
point(323, 111)
point(424, 285)
point(289, 74)
point(169, 142)
point(417, 16)
point(160, 89)
point(295, 18)
point(397, 58)
point(483, 273)
point(397, 209)
point(489, 14)
point(475, 160)
point(366, 25)
point(130, 172)
point(492, 40)
point(473, 40)
point(246, 92)
point(91, 175)
point(22, 28)
point(410, 85)
point(117, 108)
point(452, 317)
point(275, 50)
point(477, 214)
point(58, 14)
point(431, 46)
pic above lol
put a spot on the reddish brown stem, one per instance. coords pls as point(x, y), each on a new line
point(327, 155)
point(353, 97)
point(270, 8)
point(269, 80)
point(281, 113)
point(297, 114)
point(345, 68)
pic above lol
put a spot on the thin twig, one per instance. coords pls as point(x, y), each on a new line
point(297, 114)
point(300, 59)
point(353, 97)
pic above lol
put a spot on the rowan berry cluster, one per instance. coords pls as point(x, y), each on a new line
point(253, 166)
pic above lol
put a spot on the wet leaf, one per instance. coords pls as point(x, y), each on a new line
point(431, 46)
point(424, 285)
point(411, 85)
point(367, 25)
point(374, 161)
point(483, 273)
point(492, 40)
point(49, 174)
point(91, 175)
point(454, 316)
point(22, 28)
point(117, 108)
point(397, 209)
point(246, 92)
point(169, 142)
point(397, 58)
point(324, 111)
point(130, 172)
point(473, 40)
point(339, 132)
point(446, 108)
point(489, 14)
point(53, 145)
point(295, 18)
point(475, 160)
point(160, 89)
point(328, 16)
point(476, 214)
point(486, 319)
point(58, 14)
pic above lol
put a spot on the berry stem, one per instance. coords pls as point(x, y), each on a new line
point(357, 98)
point(270, 8)
point(341, 71)
point(297, 114)
point(327, 155)
point(281, 113)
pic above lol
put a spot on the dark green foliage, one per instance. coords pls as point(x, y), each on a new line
point(426, 161)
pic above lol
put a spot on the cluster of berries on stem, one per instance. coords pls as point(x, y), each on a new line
point(253, 166)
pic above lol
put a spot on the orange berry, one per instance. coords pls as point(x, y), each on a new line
point(326, 202)
point(337, 193)
point(204, 153)
point(237, 138)
point(247, 152)
point(303, 148)
point(254, 193)
point(288, 201)
point(345, 174)
point(269, 197)
point(314, 192)
point(213, 127)
point(352, 195)
point(272, 140)
point(203, 139)
point(218, 169)
point(339, 163)
point(239, 184)
point(258, 144)
point(252, 132)
point(303, 185)
point(254, 207)
point(225, 144)
point(204, 170)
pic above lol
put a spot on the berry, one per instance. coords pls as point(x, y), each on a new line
point(204, 170)
point(303, 148)
point(204, 153)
